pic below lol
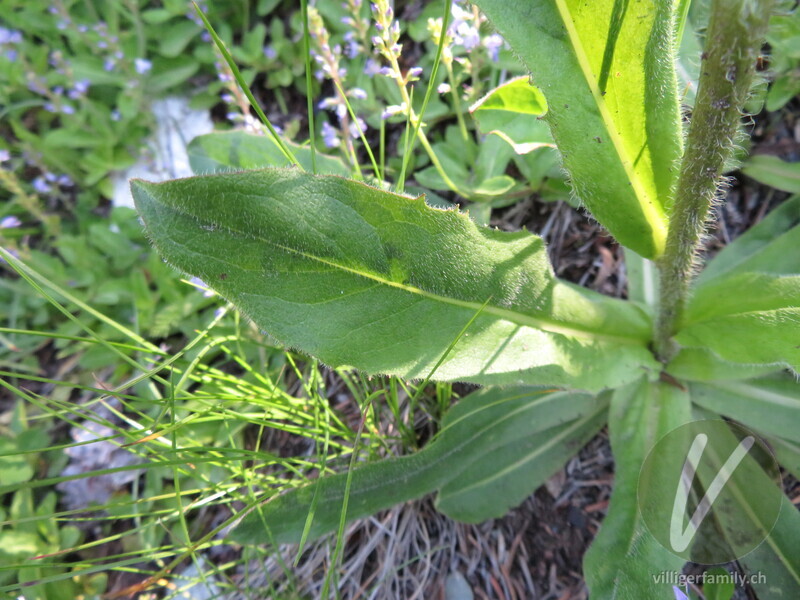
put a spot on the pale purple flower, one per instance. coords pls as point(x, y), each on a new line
point(357, 93)
point(493, 43)
point(10, 36)
point(12, 252)
point(4, 155)
point(372, 67)
point(10, 222)
point(197, 282)
point(40, 185)
point(329, 135)
point(270, 52)
point(679, 595)
point(79, 89)
point(414, 73)
point(327, 103)
point(109, 64)
point(357, 128)
point(115, 115)
point(467, 35)
point(67, 109)
point(142, 65)
point(394, 109)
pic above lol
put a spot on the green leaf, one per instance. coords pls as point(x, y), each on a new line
point(770, 246)
point(513, 112)
point(179, 36)
point(381, 282)
point(701, 364)
point(776, 562)
point(481, 423)
point(624, 560)
point(498, 479)
point(495, 186)
point(14, 468)
point(774, 172)
point(720, 586)
point(607, 71)
point(222, 152)
point(751, 318)
point(770, 405)
point(170, 72)
point(788, 454)
point(642, 279)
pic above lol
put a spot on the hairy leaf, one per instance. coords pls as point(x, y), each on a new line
point(606, 70)
point(751, 318)
point(625, 558)
point(701, 364)
point(383, 283)
point(483, 422)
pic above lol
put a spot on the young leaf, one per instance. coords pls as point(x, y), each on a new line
point(770, 246)
point(513, 112)
point(746, 318)
point(481, 423)
point(625, 558)
point(606, 69)
point(222, 152)
point(383, 283)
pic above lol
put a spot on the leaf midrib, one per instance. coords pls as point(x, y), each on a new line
point(496, 311)
point(651, 211)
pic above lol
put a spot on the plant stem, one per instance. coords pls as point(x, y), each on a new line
point(733, 40)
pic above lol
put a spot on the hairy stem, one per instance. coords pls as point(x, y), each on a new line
point(733, 40)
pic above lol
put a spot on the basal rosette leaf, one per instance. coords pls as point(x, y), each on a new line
point(625, 559)
point(491, 421)
point(384, 283)
point(606, 70)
